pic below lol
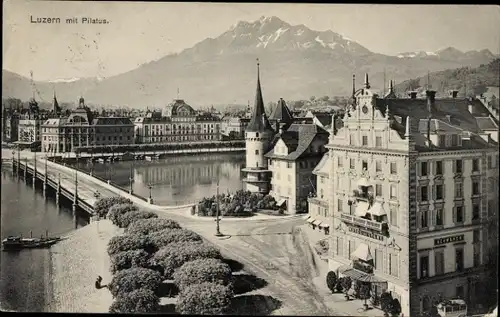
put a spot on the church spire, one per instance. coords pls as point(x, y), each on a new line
point(259, 121)
point(367, 83)
point(55, 104)
point(353, 84)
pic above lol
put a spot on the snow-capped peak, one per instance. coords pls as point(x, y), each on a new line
point(64, 80)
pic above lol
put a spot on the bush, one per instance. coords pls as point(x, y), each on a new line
point(175, 254)
point(204, 299)
point(132, 216)
point(137, 301)
point(203, 270)
point(130, 242)
point(166, 236)
point(126, 281)
point(128, 259)
point(331, 280)
point(146, 226)
point(117, 211)
point(102, 206)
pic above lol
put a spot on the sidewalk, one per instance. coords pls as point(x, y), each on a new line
point(335, 301)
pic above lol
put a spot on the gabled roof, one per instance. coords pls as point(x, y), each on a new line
point(298, 138)
point(322, 168)
point(281, 112)
point(486, 123)
point(112, 121)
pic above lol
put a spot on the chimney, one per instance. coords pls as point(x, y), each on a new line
point(282, 126)
point(431, 97)
point(453, 93)
point(448, 118)
point(471, 108)
point(412, 94)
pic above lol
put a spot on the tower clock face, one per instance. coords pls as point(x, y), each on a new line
point(365, 109)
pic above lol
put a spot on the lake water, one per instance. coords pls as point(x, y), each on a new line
point(176, 180)
point(24, 274)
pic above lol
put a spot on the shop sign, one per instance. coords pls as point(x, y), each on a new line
point(366, 233)
point(451, 239)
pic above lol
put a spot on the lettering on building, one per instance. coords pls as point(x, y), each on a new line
point(440, 241)
point(367, 233)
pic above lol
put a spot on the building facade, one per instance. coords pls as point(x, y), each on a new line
point(234, 127)
point(178, 122)
point(412, 188)
point(83, 128)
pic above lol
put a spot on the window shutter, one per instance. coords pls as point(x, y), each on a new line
point(419, 169)
point(463, 214)
point(419, 220)
point(433, 217)
point(443, 192)
point(454, 214)
point(429, 168)
point(454, 166)
point(443, 164)
point(433, 192)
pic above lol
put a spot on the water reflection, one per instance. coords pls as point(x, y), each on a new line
point(176, 180)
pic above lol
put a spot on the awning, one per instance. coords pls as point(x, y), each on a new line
point(360, 276)
point(324, 225)
point(310, 220)
point(377, 209)
point(363, 182)
point(306, 217)
point(362, 252)
point(317, 222)
point(361, 208)
point(280, 202)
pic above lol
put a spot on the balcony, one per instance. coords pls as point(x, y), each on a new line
point(363, 196)
point(365, 223)
point(317, 201)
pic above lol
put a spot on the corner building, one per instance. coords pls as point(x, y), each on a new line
point(412, 187)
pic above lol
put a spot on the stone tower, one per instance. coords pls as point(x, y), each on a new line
point(258, 137)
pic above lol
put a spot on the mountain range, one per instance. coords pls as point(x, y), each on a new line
point(295, 63)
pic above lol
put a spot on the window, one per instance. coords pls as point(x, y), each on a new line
point(351, 248)
point(365, 140)
point(439, 217)
point(393, 192)
point(475, 236)
point(439, 192)
point(322, 179)
point(378, 141)
point(378, 190)
point(459, 259)
point(454, 140)
point(340, 244)
point(351, 139)
point(442, 140)
point(340, 205)
point(423, 193)
point(476, 257)
point(475, 212)
point(460, 214)
point(459, 189)
point(491, 185)
point(393, 265)
point(365, 165)
point(475, 165)
point(256, 134)
point(475, 188)
point(289, 177)
point(424, 266)
point(393, 168)
point(321, 193)
point(340, 162)
point(379, 259)
point(439, 262)
point(423, 169)
point(423, 218)
point(378, 166)
point(256, 152)
point(394, 216)
point(351, 164)
point(288, 165)
point(459, 292)
point(490, 162)
point(458, 166)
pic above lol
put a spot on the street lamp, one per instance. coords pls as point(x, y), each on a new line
point(131, 179)
point(150, 186)
point(218, 233)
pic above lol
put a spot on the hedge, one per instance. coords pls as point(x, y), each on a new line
point(117, 211)
point(146, 226)
point(128, 259)
point(133, 216)
point(128, 280)
point(166, 236)
point(203, 270)
point(102, 206)
point(137, 301)
point(129, 242)
point(204, 299)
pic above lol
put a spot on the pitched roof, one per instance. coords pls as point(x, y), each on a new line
point(259, 121)
point(298, 138)
point(112, 121)
point(486, 123)
point(281, 112)
point(322, 168)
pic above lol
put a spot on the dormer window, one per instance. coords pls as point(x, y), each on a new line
point(442, 140)
point(454, 140)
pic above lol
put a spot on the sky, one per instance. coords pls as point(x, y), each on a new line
point(139, 32)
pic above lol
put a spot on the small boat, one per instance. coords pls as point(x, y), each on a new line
point(100, 160)
point(17, 243)
point(148, 158)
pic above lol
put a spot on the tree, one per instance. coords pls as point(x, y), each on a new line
point(137, 301)
point(385, 302)
point(132, 216)
point(128, 259)
point(174, 255)
point(116, 212)
point(102, 206)
point(395, 307)
point(166, 236)
point(204, 299)
point(346, 286)
point(146, 226)
point(129, 242)
point(331, 280)
point(324, 98)
point(312, 98)
point(128, 280)
point(202, 270)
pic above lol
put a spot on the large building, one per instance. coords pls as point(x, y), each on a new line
point(412, 187)
point(29, 125)
point(83, 128)
point(178, 122)
point(234, 127)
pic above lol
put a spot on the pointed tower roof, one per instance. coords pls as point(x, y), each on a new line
point(55, 104)
point(259, 121)
point(390, 93)
point(367, 83)
point(281, 112)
